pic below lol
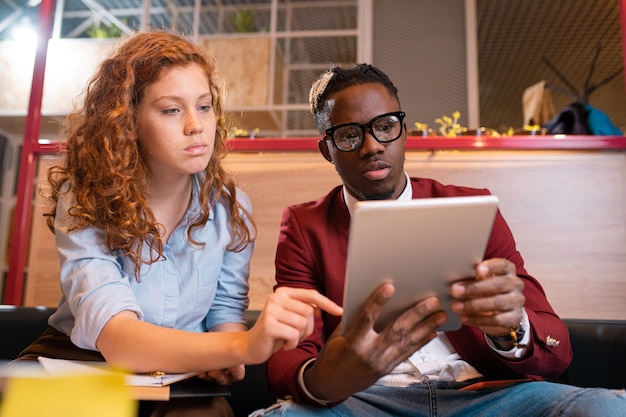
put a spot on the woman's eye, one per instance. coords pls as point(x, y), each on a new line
point(204, 108)
point(171, 111)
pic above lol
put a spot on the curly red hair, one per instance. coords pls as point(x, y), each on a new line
point(104, 165)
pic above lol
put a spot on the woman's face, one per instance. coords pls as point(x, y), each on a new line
point(176, 122)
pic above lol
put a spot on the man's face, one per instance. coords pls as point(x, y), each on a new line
point(376, 170)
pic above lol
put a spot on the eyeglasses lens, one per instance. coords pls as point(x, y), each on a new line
point(349, 137)
point(387, 128)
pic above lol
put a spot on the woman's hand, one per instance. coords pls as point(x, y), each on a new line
point(287, 318)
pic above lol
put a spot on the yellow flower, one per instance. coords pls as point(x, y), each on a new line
point(450, 126)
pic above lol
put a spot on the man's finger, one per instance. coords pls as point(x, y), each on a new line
point(372, 308)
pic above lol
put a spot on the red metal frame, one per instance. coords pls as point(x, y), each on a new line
point(31, 148)
point(14, 286)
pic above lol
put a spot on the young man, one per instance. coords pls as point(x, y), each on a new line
point(510, 333)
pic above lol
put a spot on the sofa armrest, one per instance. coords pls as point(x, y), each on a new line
point(599, 348)
point(20, 326)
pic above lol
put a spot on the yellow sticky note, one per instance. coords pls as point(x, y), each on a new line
point(68, 396)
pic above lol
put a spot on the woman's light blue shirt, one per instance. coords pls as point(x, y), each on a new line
point(191, 287)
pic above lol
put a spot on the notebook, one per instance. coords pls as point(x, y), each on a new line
point(151, 387)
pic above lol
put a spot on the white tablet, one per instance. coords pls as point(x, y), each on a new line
point(421, 246)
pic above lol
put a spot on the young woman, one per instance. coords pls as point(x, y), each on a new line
point(153, 236)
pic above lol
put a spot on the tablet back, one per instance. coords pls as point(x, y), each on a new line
point(421, 246)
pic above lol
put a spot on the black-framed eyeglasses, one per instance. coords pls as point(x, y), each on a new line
point(350, 136)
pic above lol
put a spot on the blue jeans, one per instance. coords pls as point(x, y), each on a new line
point(528, 399)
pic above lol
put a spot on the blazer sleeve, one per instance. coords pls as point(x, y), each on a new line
point(294, 268)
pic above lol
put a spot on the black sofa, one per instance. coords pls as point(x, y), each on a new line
point(599, 359)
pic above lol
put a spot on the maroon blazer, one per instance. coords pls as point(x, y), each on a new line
point(312, 251)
